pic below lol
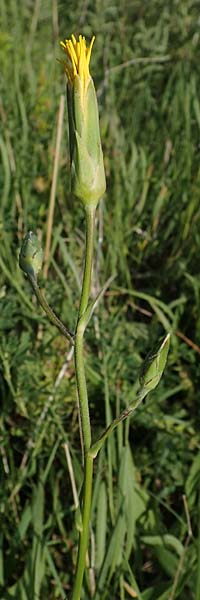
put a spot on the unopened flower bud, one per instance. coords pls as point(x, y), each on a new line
point(31, 255)
point(87, 168)
point(153, 366)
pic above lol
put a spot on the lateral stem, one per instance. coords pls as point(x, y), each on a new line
point(49, 311)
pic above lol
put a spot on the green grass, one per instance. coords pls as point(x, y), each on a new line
point(150, 124)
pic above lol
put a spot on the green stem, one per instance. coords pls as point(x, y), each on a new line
point(90, 226)
point(84, 534)
point(79, 360)
point(197, 592)
point(94, 449)
point(82, 389)
point(83, 404)
point(48, 310)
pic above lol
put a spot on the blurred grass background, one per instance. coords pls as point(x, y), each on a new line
point(145, 531)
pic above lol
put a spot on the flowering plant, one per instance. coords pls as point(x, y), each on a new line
point(88, 184)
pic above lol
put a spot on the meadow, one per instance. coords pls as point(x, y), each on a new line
point(145, 521)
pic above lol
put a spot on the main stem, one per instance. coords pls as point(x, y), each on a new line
point(84, 534)
point(86, 285)
point(83, 405)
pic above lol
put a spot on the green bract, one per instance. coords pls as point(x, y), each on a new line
point(87, 168)
point(153, 366)
point(31, 255)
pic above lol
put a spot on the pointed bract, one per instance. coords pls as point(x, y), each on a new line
point(31, 255)
point(154, 365)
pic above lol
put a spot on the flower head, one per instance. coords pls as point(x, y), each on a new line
point(79, 57)
point(87, 169)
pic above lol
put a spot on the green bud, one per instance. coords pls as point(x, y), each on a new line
point(31, 255)
point(153, 366)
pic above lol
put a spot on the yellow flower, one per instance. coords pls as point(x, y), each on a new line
point(79, 56)
point(87, 169)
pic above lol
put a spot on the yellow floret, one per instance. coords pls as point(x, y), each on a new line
point(79, 56)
